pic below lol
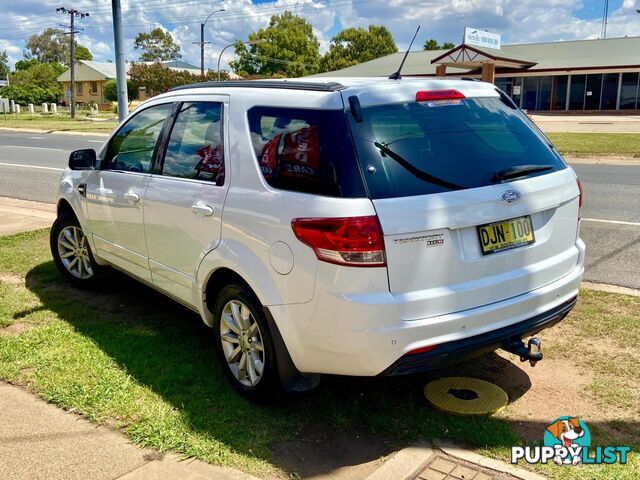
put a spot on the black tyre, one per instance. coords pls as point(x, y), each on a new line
point(244, 344)
point(71, 252)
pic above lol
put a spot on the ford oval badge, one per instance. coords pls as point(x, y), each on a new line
point(510, 196)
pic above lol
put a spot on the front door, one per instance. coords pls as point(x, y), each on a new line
point(115, 191)
point(184, 200)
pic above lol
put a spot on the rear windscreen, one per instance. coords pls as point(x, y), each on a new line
point(429, 147)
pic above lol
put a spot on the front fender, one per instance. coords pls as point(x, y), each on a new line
point(68, 192)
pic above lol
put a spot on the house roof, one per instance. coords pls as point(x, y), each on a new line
point(575, 54)
point(90, 70)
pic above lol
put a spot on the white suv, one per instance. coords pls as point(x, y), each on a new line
point(367, 227)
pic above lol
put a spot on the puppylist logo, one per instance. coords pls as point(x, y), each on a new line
point(567, 441)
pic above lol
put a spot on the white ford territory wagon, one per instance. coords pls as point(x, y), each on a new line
point(366, 227)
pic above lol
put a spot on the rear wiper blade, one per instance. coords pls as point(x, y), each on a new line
point(422, 175)
point(518, 171)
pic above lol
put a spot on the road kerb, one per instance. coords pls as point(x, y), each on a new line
point(404, 464)
point(55, 132)
point(455, 451)
point(605, 287)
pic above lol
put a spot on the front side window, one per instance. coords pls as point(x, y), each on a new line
point(195, 148)
point(79, 88)
point(132, 149)
point(307, 151)
point(94, 88)
point(420, 148)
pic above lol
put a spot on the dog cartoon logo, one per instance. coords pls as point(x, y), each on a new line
point(568, 436)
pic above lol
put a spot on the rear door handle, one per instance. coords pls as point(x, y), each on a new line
point(205, 210)
point(132, 197)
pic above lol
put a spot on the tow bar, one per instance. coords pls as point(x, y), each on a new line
point(533, 352)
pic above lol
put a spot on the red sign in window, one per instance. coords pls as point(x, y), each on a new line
point(300, 155)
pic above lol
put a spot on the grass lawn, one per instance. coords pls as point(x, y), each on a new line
point(128, 358)
point(60, 122)
point(594, 144)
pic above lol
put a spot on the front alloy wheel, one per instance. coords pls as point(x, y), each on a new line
point(242, 343)
point(73, 252)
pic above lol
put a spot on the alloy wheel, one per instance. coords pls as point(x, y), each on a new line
point(74, 252)
point(242, 343)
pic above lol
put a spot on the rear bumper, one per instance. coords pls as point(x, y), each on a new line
point(364, 334)
point(461, 350)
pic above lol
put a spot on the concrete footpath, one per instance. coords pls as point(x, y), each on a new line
point(23, 215)
point(41, 441)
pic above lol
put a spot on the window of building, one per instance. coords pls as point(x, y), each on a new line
point(94, 88)
point(517, 90)
point(79, 88)
point(559, 93)
point(308, 151)
point(195, 148)
point(544, 93)
point(529, 93)
point(609, 96)
point(576, 95)
point(594, 89)
point(629, 91)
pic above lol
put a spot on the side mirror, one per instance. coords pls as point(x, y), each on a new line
point(83, 159)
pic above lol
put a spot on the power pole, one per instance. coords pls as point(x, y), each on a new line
point(202, 43)
point(121, 67)
point(73, 13)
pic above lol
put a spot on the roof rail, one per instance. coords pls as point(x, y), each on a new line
point(277, 84)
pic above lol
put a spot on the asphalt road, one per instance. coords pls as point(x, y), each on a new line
point(30, 165)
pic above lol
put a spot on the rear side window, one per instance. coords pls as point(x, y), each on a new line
point(195, 149)
point(307, 151)
point(420, 148)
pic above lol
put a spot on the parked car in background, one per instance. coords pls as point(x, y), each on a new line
point(366, 227)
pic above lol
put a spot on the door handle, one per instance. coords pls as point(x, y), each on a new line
point(205, 210)
point(132, 197)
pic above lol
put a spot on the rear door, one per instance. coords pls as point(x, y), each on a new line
point(184, 199)
point(462, 228)
point(115, 191)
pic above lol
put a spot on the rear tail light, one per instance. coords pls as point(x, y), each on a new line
point(432, 95)
point(580, 196)
point(353, 241)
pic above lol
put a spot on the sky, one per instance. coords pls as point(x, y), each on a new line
point(518, 21)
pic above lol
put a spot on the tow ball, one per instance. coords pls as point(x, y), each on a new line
point(532, 352)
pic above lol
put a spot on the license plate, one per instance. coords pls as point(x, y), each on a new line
point(505, 235)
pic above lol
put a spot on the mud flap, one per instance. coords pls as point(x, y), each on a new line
point(291, 379)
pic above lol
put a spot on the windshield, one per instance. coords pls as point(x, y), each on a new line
point(430, 147)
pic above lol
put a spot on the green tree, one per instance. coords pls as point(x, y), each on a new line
point(83, 53)
point(52, 46)
point(356, 45)
point(43, 75)
point(4, 65)
point(432, 44)
point(157, 78)
point(110, 90)
point(26, 64)
point(24, 95)
point(287, 47)
point(157, 46)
